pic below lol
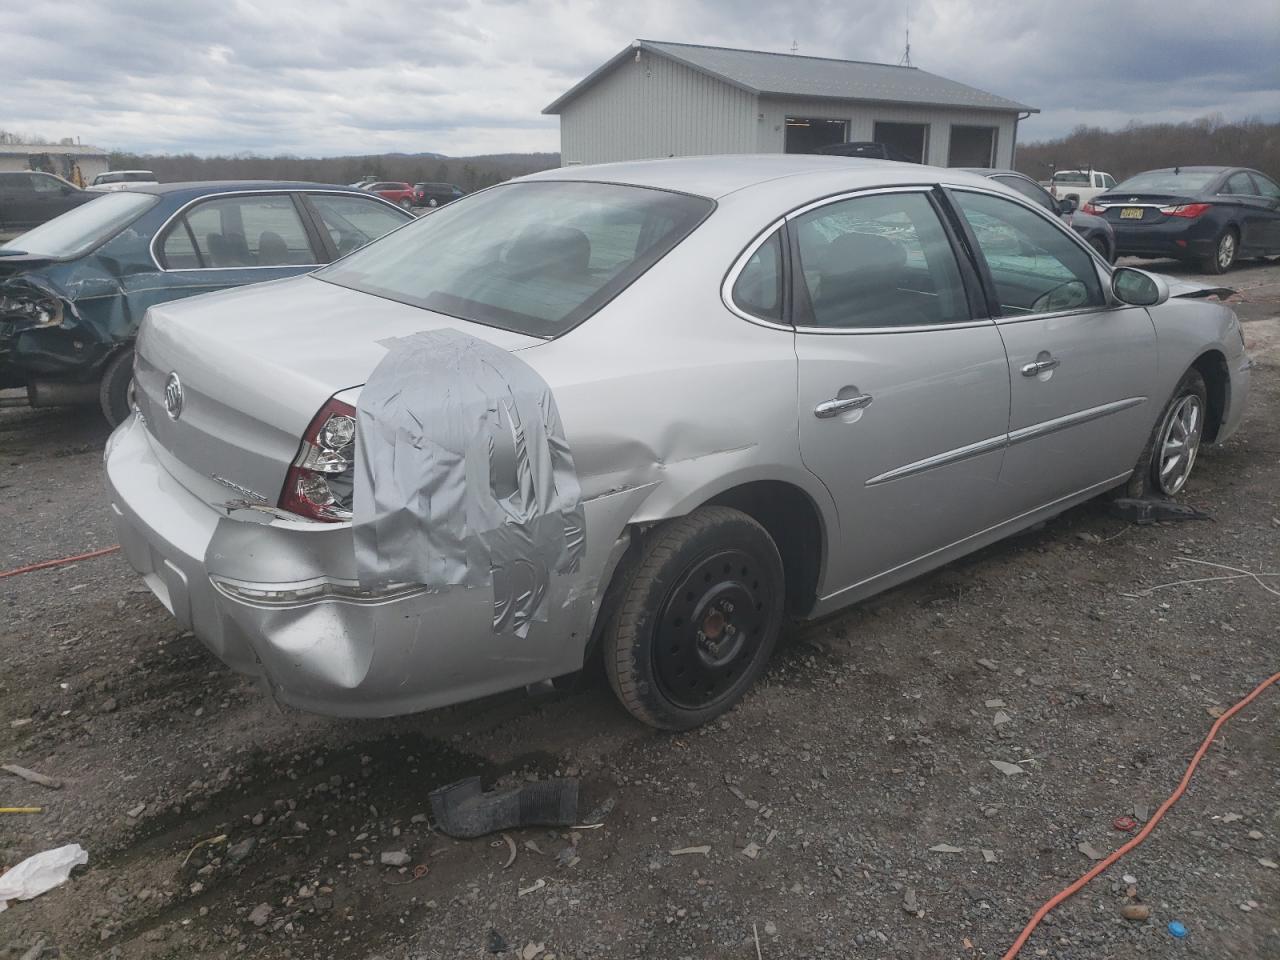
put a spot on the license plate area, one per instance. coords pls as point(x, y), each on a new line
point(1130, 213)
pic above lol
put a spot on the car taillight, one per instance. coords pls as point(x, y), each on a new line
point(321, 482)
point(1091, 207)
point(1188, 211)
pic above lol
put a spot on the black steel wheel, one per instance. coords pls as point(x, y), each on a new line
point(700, 613)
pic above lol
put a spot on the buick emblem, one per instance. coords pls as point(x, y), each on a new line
point(173, 397)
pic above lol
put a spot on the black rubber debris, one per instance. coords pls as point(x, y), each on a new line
point(463, 810)
point(1153, 511)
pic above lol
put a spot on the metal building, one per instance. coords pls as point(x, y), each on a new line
point(62, 159)
point(657, 99)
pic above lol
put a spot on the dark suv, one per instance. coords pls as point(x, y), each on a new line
point(434, 194)
point(29, 198)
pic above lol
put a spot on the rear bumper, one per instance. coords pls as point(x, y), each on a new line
point(254, 591)
point(1177, 239)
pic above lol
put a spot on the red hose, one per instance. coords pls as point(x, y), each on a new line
point(58, 563)
point(1075, 888)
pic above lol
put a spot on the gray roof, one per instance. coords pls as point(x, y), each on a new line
point(53, 149)
point(790, 75)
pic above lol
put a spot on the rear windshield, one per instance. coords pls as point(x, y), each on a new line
point(1071, 176)
point(82, 228)
point(536, 258)
point(1167, 181)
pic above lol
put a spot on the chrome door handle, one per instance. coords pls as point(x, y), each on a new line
point(1040, 366)
point(833, 408)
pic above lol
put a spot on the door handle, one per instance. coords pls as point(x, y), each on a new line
point(833, 408)
point(1040, 366)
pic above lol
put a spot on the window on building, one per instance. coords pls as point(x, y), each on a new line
point(806, 134)
point(972, 146)
point(909, 139)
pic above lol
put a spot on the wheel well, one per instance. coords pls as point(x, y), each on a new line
point(1213, 367)
point(792, 520)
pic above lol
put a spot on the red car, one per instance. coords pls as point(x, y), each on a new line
point(396, 192)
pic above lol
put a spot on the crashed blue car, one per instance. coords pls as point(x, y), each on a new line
point(73, 290)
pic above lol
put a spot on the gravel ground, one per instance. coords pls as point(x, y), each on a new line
point(849, 805)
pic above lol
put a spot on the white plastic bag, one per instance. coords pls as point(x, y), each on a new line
point(41, 873)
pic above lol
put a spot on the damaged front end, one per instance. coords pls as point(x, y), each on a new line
point(47, 343)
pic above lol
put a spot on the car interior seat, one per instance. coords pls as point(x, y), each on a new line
point(272, 250)
point(861, 276)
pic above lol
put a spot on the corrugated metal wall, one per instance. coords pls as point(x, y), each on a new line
point(862, 118)
point(657, 108)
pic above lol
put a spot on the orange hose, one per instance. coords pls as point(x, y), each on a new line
point(58, 563)
point(1075, 888)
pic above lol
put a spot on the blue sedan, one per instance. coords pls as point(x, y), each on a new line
point(73, 290)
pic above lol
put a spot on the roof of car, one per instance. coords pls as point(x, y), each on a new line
point(198, 188)
point(992, 172)
point(716, 176)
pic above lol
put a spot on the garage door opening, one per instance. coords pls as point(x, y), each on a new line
point(806, 135)
point(972, 147)
point(909, 139)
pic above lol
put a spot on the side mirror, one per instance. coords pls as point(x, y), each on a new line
point(1067, 205)
point(1139, 288)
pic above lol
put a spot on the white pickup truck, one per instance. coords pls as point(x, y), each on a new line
point(1084, 185)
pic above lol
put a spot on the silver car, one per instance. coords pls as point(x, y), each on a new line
point(647, 411)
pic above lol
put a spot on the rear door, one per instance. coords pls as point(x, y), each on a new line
point(1082, 369)
point(903, 384)
point(1251, 210)
point(1269, 191)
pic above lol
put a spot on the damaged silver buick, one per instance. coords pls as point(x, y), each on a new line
point(647, 411)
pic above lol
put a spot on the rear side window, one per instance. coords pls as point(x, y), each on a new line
point(758, 289)
point(1266, 187)
point(1240, 184)
point(261, 230)
point(879, 261)
point(354, 221)
point(1035, 266)
point(535, 258)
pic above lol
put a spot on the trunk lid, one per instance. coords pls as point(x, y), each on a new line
point(1148, 203)
point(253, 366)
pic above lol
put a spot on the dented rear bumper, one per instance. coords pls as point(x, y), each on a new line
point(280, 599)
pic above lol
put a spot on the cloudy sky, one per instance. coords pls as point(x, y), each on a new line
point(465, 77)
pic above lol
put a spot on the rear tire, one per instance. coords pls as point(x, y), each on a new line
point(115, 393)
point(1100, 247)
point(700, 612)
point(1158, 473)
point(1224, 252)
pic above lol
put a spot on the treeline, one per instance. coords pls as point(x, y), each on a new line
point(1148, 146)
point(469, 173)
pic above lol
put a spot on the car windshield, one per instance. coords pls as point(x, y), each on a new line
point(536, 258)
point(84, 227)
point(1168, 181)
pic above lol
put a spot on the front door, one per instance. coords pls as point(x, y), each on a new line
point(1082, 369)
point(903, 392)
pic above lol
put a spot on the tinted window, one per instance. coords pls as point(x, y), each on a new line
point(354, 221)
point(879, 261)
point(758, 289)
point(261, 230)
point(82, 228)
point(44, 183)
point(178, 252)
point(1166, 181)
point(535, 258)
point(1032, 191)
point(1239, 184)
point(1071, 176)
point(1036, 267)
point(1266, 187)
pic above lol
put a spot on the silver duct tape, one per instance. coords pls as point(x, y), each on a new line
point(463, 476)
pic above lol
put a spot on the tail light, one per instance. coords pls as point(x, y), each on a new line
point(1093, 208)
point(321, 481)
point(1188, 211)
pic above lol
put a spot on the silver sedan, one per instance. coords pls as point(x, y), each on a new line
point(643, 411)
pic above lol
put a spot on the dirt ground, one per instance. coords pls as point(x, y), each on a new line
point(218, 825)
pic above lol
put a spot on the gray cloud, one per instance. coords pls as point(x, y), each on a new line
point(471, 76)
